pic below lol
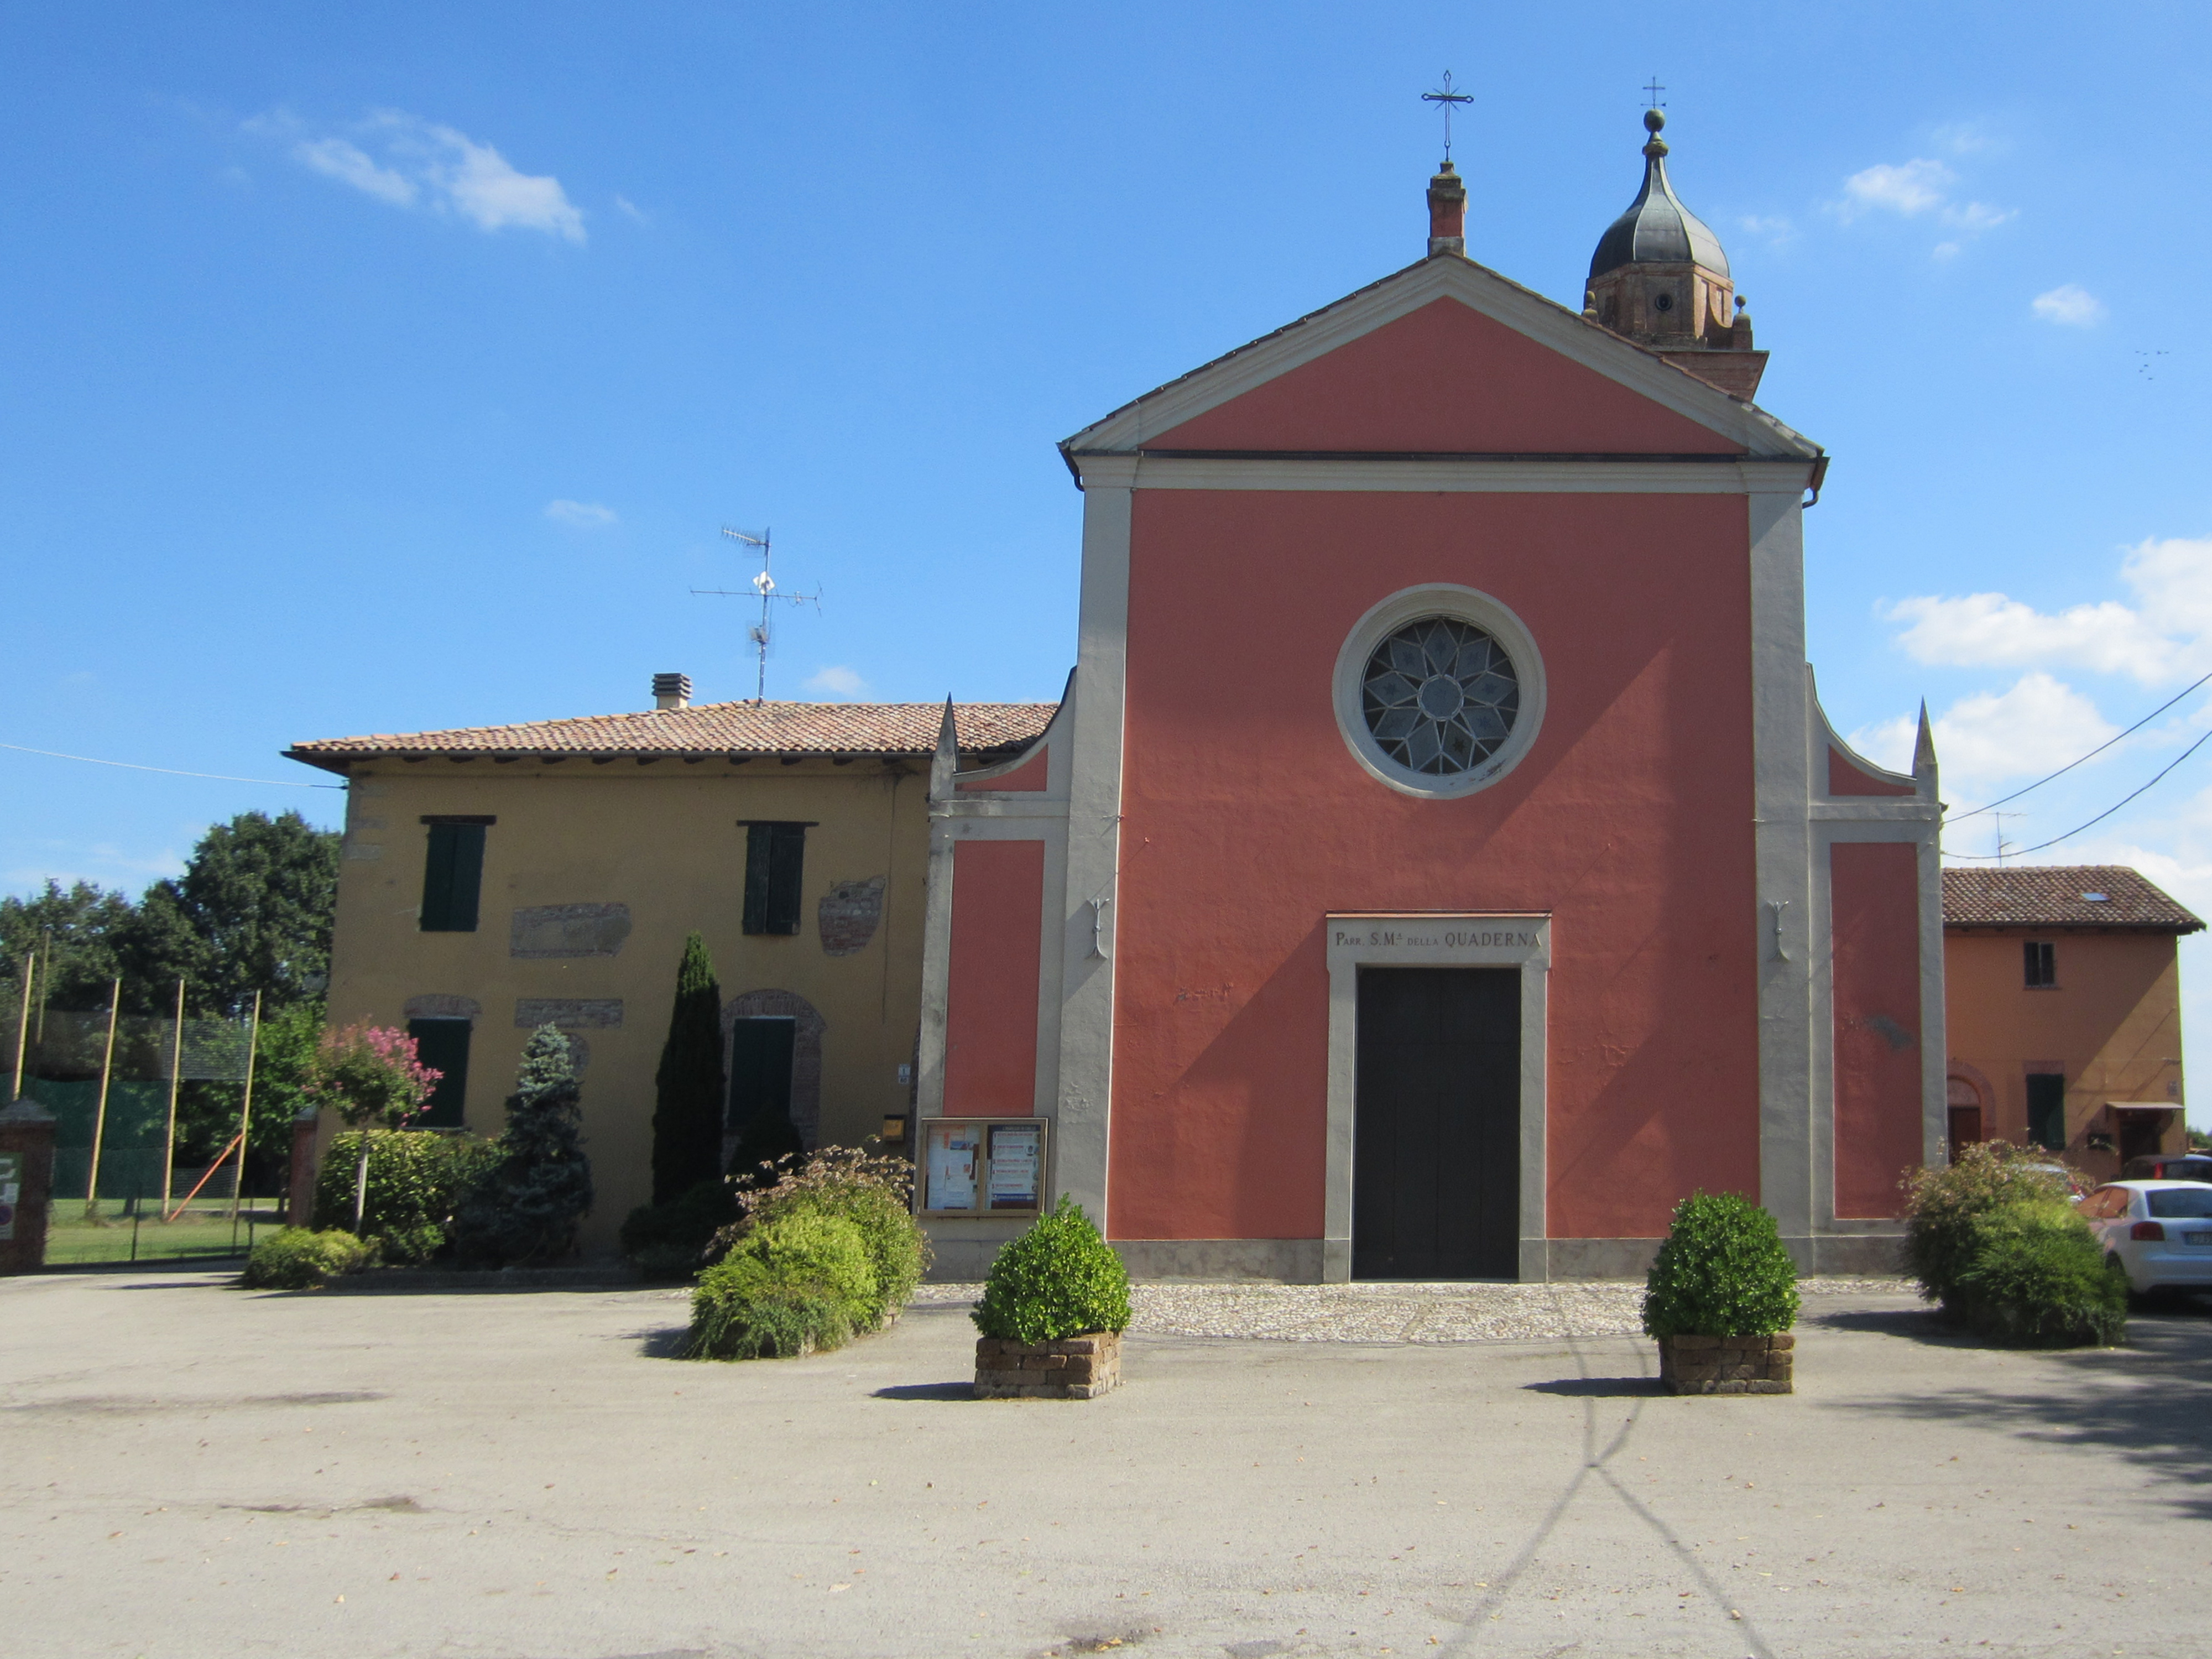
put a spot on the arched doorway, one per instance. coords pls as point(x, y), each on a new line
point(1967, 1116)
point(772, 1056)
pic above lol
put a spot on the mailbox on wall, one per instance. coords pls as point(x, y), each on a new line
point(982, 1167)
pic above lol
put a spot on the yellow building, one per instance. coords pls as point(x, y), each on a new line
point(499, 878)
point(2062, 1011)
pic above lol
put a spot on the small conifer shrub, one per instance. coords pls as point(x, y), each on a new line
point(300, 1259)
point(1722, 1271)
point(528, 1206)
point(794, 1285)
point(1059, 1278)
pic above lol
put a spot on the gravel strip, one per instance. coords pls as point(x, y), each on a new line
point(1394, 1313)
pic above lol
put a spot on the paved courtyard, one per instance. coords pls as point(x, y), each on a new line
point(188, 1469)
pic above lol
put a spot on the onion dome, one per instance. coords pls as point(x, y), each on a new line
point(1657, 229)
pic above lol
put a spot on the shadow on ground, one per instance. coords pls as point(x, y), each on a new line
point(1599, 1388)
point(2148, 1404)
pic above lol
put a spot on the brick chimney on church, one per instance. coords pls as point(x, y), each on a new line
point(1447, 213)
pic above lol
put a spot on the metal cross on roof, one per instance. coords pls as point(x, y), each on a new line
point(1445, 97)
point(1652, 92)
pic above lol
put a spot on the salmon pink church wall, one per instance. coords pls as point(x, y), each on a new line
point(1245, 820)
point(1874, 895)
point(991, 998)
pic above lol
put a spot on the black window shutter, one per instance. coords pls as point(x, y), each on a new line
point(760, 1068)
point(775, 856)
point(760, 848)
point(452, 878)
point(785, 871)
point(443, 1046)
point(2046, 1110)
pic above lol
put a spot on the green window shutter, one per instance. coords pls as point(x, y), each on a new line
point(452, 878)
point(760, 1068)
point(443, 1046)
point(760, 847)
point(784, 878)
point(2047, 1111)
point(775, 857)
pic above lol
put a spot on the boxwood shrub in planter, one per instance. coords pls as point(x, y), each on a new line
point(1053, 1312)
point(1721, 1298)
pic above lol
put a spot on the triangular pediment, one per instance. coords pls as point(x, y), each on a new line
point(1445, 357)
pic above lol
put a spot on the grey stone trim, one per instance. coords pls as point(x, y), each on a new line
point(542, 932)
point(1278, 1260)
point(1599, 1258)
point(439, 1005)
point(1862, 1253)
point(569, 1013)
point(1473, 939)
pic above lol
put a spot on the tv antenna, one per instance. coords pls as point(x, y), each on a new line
point(765, 590)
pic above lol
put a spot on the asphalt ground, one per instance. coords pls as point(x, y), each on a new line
point(189, 1469)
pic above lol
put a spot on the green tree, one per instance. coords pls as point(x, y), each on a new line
point(687, 1110)
point(526, 1209)
point(73, 932)
point(251, 912)
point(372, 1076)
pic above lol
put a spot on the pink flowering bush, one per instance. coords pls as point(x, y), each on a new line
point(369, 1075)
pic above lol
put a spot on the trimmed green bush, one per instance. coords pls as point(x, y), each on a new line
point(670, 1241)
point(2035, 1275)
point(791, 1286)
point(299, 1259)
point(871, 1193)
point(1945, 1204)
point(1059, 1278)
point(416, 1177)
point(1722, 1271)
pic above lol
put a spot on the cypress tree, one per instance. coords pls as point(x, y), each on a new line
point(527, 1208)
point(688, 1089)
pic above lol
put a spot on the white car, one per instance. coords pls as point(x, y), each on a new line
point(2158, 1231)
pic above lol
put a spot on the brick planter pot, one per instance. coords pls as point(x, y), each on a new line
point(1727, 1364)
point(1074, 1368)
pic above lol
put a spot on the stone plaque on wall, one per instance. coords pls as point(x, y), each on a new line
point(849, 914)
point(569, 1013)
point(568, 930)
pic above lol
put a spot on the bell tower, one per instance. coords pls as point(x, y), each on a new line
point(1659, 278)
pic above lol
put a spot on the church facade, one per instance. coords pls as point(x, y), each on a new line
point(1440, 864)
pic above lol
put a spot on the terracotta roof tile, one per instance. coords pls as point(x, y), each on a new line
point(2052, 896)
point(715, 728)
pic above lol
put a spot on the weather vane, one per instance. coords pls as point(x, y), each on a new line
point(1652, 92)
point(765, 590)
point(1445, 97)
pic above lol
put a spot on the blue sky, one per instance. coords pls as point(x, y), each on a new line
point(384, 366)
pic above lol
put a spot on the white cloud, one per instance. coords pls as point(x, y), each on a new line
point(419, 163)
point(2167, 633)
point(1991, 737)
point(349, 164)
point(838, 682)
point(632, 208)
point(581, 515)
point(2072, 306)
point(1910, 188)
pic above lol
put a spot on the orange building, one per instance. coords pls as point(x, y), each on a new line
point(2062, 1007)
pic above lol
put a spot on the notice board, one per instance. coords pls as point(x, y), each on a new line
point(982, 1167)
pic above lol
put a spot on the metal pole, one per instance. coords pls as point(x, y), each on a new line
point(246, 1117)
point(23, 1024)
point(99, 1116)
point(176, 1065)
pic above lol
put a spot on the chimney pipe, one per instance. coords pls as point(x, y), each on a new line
point(671, 690)
point(1447, 213)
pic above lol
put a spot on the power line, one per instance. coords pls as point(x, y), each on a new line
point(1956, 816)
point(171, 771)
point(1984, 858)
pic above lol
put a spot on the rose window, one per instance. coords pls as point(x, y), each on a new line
point(1440, 696)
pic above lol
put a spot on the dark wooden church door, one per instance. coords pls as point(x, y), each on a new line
point(1435, 1177)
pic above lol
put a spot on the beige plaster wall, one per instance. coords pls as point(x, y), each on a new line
point(663, 839)
point(2112, 1024)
